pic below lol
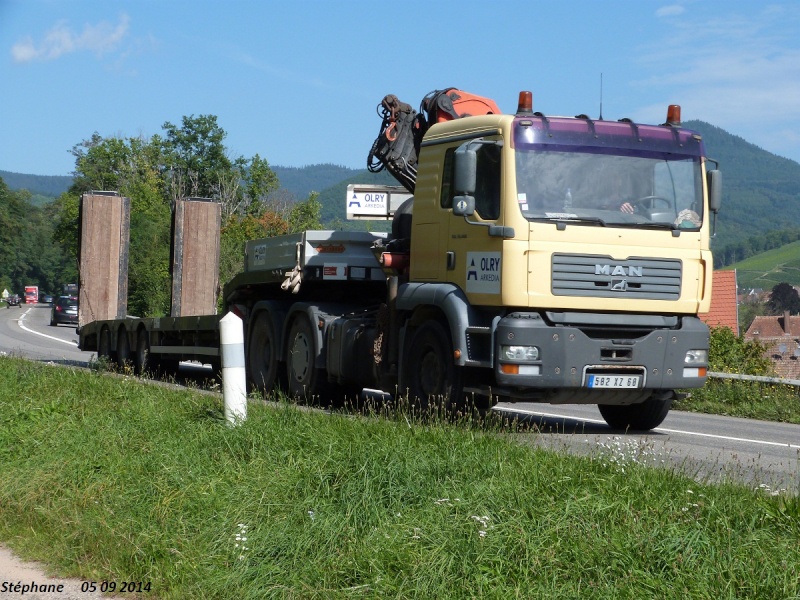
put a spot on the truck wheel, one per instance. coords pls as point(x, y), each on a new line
point(305, 380)
point(638, 417)
point(141, 359)
point(433, 379)
point(262, 355)
point(123, 349)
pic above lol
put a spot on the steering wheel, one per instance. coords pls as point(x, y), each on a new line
point(650, 202)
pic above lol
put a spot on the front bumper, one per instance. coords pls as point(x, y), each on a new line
point(568, 355)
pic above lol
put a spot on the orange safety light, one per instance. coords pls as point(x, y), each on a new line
point(525, 104)
point(509, 369)
point(674, 114)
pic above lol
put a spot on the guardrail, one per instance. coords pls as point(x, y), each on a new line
point(761, 378)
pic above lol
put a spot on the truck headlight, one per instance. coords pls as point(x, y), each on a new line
point(519, 353)
point(696, 357)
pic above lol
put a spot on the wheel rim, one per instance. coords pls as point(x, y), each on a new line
point(301, 356)
point(263, 357)
point(142, 353)
point(431, 372)
point(104, 345)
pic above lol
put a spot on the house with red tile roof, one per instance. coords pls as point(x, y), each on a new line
point(724, 309)
point(781, 338)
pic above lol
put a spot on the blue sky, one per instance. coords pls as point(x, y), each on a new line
point(298, 81)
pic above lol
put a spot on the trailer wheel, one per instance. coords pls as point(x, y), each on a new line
point(262, 355)
point(141, 359)
point(304, 379)
point(638, 417)
point(104, 346)
point(433, 379)
point(123, 349)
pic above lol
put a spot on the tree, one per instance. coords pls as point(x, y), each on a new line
point(197, 163)
point(189, 160)
point(783, 298)
point(306, 215)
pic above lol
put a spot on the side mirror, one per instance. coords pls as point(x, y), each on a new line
point(466, 169)
point(714, 180)
point(464, 206)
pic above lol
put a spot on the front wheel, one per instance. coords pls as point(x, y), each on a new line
point(644, 416)
point(432, 377)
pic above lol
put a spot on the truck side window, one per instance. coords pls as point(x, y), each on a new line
point(487, 186)
point(448, 176)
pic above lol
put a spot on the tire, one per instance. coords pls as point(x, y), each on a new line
point(263, 367)
point(644, 416)
point(123, 349)
point(304, 379)
point(104, 346)
point(432, 378)
point(141, 358)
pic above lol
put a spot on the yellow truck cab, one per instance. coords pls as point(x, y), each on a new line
point(569, 258)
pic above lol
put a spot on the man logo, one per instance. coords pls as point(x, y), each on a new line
point(618, 270)
point(619, 285)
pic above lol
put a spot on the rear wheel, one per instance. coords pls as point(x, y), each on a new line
point(305, 380)
point(433, 379)
point(123, 349)
point(638, 417)
point(262, 355)
point(141, 359)
point(104, 346)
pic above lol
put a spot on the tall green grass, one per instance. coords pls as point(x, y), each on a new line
point(108, 478)
point(745, 399)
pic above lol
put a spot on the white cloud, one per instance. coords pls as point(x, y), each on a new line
point(739, 72)
point(101, 38)
point(673, 10)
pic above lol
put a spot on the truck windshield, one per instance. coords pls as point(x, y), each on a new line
point(600, 187)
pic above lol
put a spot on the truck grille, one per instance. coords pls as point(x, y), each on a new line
point(603, 277)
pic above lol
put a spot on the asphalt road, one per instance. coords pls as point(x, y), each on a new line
point(706, 447)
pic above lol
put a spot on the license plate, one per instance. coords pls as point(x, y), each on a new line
point(613, 381)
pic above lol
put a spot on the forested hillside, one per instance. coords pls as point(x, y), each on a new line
point(29, 256)
point(761, 192)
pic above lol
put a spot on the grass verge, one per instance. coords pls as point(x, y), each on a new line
point(745, 399)
point(108, 478)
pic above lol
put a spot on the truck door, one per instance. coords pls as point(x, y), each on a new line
point(473, 256)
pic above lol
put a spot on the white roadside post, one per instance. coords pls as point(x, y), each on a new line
point(234, 386)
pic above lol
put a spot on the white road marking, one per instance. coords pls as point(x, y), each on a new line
point(21, 324)
point(661, 429)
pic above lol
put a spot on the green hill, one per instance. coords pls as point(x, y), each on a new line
point(767, 269)
point(760, 190)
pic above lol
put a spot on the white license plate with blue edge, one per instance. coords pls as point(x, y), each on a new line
point(613, 381)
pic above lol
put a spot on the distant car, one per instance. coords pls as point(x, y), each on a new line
point(13, 300)
point(65, 310)
point(47, 299)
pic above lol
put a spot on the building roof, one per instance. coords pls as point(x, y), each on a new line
point(724, 310)
point(769, 327)
point(780, 336)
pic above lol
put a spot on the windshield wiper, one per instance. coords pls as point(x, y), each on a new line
point(576, 219)
point(649, 225)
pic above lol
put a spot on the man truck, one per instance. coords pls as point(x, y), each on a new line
point(540, 259)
